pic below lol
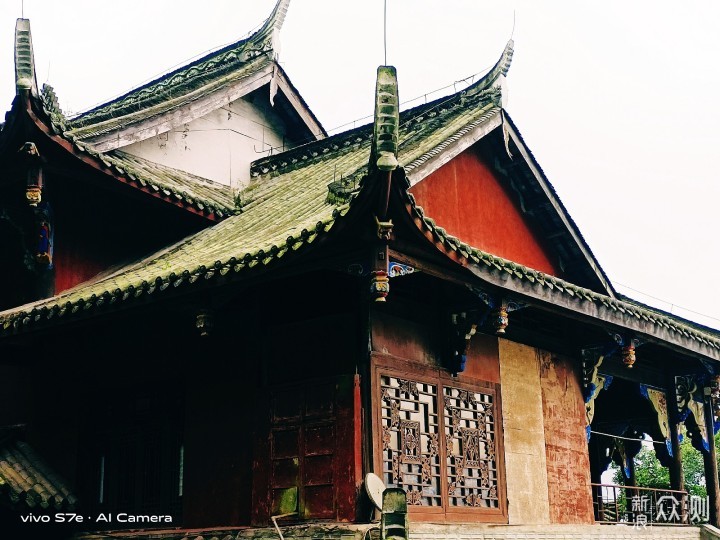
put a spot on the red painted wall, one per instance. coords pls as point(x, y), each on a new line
point(75, 261)
point(95, 230)
point(422, 343)
point(464, 197)
point(568, 464)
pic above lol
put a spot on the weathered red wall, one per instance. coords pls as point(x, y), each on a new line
point(95, 229)
point(464, 197)
point(568, 465)
point(404, 338)
point(421, 343)
point(75, 261)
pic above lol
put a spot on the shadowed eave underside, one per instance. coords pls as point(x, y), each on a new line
point(199, 195)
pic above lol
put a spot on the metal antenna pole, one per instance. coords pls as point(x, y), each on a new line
point(385, 30)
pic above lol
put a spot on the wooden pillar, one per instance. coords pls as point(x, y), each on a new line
point(677, 476)
point(710, 459)
point(631, 481)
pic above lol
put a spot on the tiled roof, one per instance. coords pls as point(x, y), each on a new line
point(26, 480)
point(424, 129)
point(288, 206)
point(279, 212)
point(179, 184)
point(506, 269)
point(204, 195)
point(186, 84)
point(111, 117)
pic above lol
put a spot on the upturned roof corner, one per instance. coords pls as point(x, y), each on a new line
point(25, 79)
point(213, 72)
point(495, 77)
point(274, 23)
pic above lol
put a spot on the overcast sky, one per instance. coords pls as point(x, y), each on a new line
point(617, 100)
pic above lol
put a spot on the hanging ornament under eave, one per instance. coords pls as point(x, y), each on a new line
point(205, 322)
point(379, 285)
point(33, 194)
point(715, 387)
point(500, 320)
point(30, 156)
point(628, 355)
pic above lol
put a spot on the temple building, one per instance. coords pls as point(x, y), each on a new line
point(201, 346)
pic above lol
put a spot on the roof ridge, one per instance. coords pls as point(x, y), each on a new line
point(214, 63)
point(348, 139)
point(484, 87)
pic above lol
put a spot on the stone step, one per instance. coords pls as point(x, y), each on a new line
point(421, 531)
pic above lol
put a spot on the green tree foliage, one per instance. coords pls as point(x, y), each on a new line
point(650, 473)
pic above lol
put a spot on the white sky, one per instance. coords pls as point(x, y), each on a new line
point(617, 100)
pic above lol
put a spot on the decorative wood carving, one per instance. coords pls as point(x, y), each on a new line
point(412, 458)
point(471, 464)
point(432, 434)
point(410, 435)
point(396, 269)
point(414, 497)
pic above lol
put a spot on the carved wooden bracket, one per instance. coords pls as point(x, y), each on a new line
point(499, 307)
point(205, 322)
point(462, 330)
point(627, 344)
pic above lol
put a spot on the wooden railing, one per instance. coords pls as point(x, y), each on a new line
point(646, 506)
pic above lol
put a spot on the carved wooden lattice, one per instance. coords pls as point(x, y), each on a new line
point(439, 444)
point(472, 472)
point(410, 439)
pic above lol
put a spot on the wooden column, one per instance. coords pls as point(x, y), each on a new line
point(632, 480)
point(710, 459)
point(677, 476)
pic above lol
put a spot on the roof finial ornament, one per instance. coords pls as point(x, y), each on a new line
point(387, 120)
point(25, 79)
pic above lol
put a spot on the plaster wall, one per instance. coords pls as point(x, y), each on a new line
point(568, 464)
point(525, 458)
point(220, 145)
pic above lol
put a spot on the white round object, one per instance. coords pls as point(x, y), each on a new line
point(374, 487)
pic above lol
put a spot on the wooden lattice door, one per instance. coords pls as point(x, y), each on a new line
point(439, 440)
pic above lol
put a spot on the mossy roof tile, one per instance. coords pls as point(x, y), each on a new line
point(25, 479)
point(201, 193)
point(287, 207)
